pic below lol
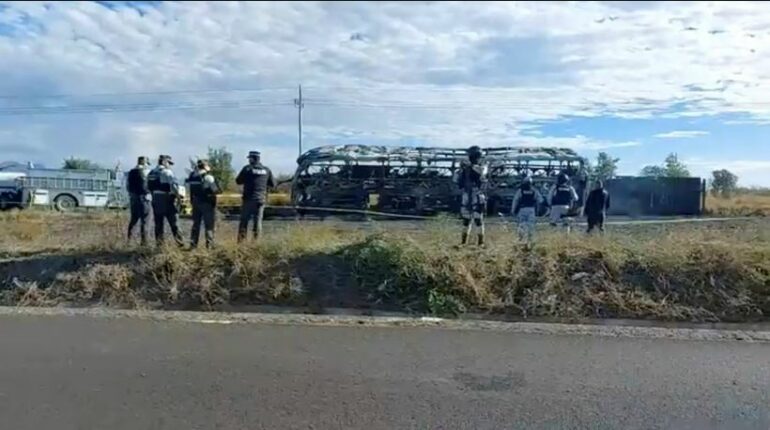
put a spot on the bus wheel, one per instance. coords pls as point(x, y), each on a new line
point(65, 203)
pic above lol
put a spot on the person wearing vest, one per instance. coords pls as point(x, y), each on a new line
point(139, 199)
point(471, 178)
point(597, 205)
point(562, 197)
point(165, 192)
point(203, 196)
point(524, 207)
point(255, 179)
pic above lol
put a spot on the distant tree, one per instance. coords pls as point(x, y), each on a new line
point(675, 168)
point(653, 171)
point(723, 183)
point(73, 163)
point(672, 168)
point(606, 166)
point(221, 162)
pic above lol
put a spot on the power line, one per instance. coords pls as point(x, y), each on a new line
point(492, 90)
point(437, 105)
point(373, 89)
point(85, 109)
point(143, 93)
point(510, 106)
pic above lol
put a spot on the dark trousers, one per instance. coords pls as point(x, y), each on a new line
point(206, 213)
point(596, 221)
point(251, 210)
point(164, 210)
point(140, 213)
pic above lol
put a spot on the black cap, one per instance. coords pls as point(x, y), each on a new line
point(254, 154)
point(166, 158)
point(141, 160)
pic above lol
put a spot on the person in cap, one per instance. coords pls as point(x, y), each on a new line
point(165, 192)
point(597, 205)
point(255, 179)
point(139, 198)
point(525, 204)
point(561, 199)
point(203, 196)
point(471, 178)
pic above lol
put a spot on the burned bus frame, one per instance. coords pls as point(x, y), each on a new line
point(418, 180)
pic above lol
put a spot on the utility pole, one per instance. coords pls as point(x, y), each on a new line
point(300, 105)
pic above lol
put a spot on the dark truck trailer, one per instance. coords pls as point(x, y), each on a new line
point(652, 196)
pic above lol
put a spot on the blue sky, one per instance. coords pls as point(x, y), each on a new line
point(638, 80)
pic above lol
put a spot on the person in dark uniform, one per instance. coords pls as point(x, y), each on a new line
point(203, 196)
point(471, 178)
point(165, 192)
point(139, 199)
point(524, 208)
point(256, 179)
point(561, 199)
point(597, 205)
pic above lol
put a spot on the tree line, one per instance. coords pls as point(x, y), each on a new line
point(723, 183)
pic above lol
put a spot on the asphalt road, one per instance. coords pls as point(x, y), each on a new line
point(94, 373)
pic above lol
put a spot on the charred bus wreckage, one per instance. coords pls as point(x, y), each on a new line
point(418, 181)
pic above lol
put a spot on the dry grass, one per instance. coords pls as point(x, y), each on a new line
point(708, 272)
point(685, 273)
point(754, 204)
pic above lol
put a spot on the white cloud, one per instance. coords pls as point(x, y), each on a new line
point(681, 134)
point(430, 73)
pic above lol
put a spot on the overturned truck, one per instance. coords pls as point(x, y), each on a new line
point(418, 181)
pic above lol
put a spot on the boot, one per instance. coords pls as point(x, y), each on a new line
point(481, 240)
point(465, 239)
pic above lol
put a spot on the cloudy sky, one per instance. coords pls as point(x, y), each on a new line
point(113, 80)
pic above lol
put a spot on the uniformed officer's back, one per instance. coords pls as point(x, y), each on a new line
point(255, 179)
point(203, 196)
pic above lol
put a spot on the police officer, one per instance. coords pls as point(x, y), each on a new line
point(165, 192)
point(139, 198)
point(255, 179)
point(597, 205)
point(203, 196)
point(524, 207)
point(562, 197)
point(471, 178)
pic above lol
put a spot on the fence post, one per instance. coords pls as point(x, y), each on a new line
point(703, 197)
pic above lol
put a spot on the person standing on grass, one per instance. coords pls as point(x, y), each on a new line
point(165, 192)
point(561, 199)
point(597, 205)
point(139, 198)
point(471, 178)
point(256, 179)
point(203, 196)
point(524, 207)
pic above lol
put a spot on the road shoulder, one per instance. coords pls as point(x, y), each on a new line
point(737, 332)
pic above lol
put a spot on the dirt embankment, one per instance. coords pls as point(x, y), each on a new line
point(709, 272)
